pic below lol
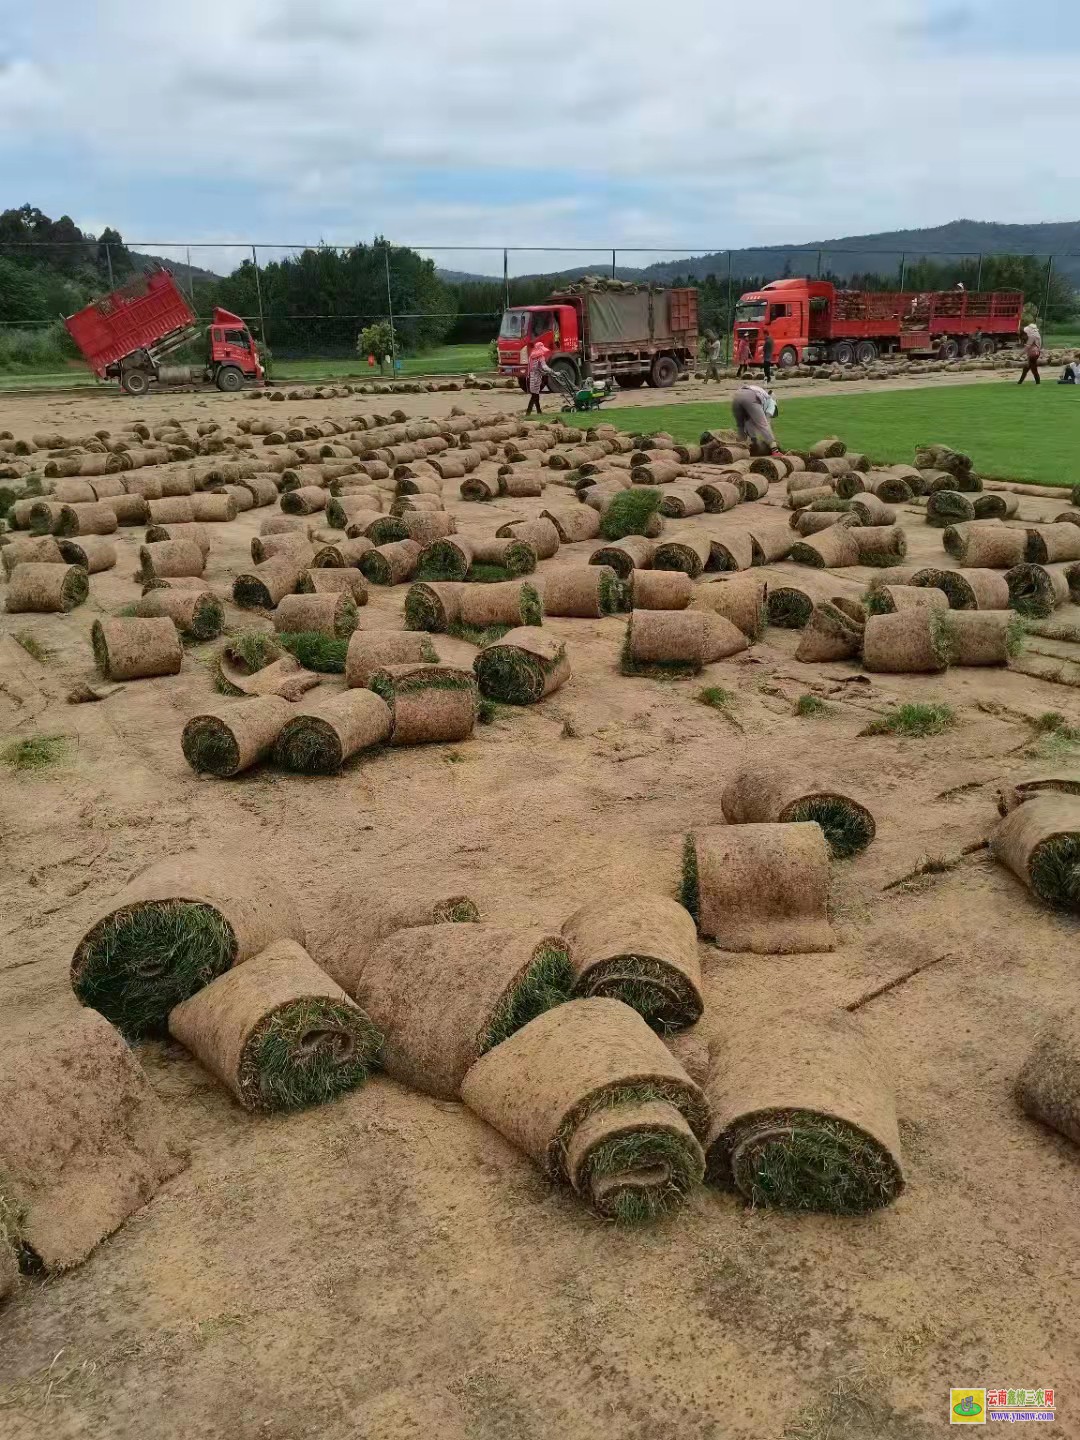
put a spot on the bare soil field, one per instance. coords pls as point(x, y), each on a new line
point(387, 1265)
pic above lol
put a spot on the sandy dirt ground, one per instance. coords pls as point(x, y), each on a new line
point(387, 1267)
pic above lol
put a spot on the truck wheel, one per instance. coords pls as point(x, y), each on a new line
point(664, 372)
point(987, 345)
point(789, 356)
point(230, 379)
point(969, 349)
point(866, 352)
point(566, 371)
point(629, 382)
point(950, 350)
point(135, 382)
point(843, 353)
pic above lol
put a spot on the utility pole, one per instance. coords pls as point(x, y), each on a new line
point(108, 261)
point(1044, 317)
point(730, 310)
point(613, 264)
point(258, 295)
point(390, 311)
point(506, 277)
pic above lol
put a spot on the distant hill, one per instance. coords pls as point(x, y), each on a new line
point(184, 273)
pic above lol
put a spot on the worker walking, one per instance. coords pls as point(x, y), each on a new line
point(713, 355)
point(538, 373)
point(766, 358)
point(1032, 353)
point(742, 356)
point(753, 409)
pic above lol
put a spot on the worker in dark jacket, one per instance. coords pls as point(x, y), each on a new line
point(766, 358)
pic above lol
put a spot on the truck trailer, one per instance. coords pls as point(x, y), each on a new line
point(811, 322)
point(635, 335)
point(129, 334)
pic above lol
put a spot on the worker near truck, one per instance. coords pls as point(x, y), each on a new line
point(713, 355)
point(1032, 353)
point(742, 356)
point(539, 370)
point(753, 409)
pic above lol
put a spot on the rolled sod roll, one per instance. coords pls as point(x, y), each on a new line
point(231, 737)
point(342, 554)
point(805, 480)
point(868, 510)
point(197, 534)
point(197, 613)
point(269, 547)
point(996, 507)
point(641, 950)
point(1047, 543)
point(507, 602)
point(444, 995)
point(150, 487)
point(574, 523)
point(241, 497)
point(343, 581)
point(46, 587)
point(801, 499)
point(634, 553)
point(523, 667)
point(808, 1124)
point(166, 558)
point(778, 794)
point(1048, 1086)
point(35, 550)
point(887, 599)
point(967, 589)
point(660, 590)
point(1039, 842)
point(948, 507)
point(687, 550)
point(540, 534)
point(344, 510)
point(886, 486)
point(305, 500)
point(905, 643)
point(597, 1100)
point(740, 599)
point(326, 614)
point(679, 639)
point(979, 637)
point(762, 888)
point(515, 557)
point(833, 548)
point(812, 522)
point(433, 605)
point(323, 733)
point(85, 1141)
point(657, 473)
point(431, 704)
point(847, 486)
point(262, 489)
point(769, 543)
point(95, 519)
point(72, 492)
point(173, 929)
point(371, 650)
point(423, 526)
point(520, 484)
point(263, 586)
point(283, 677)
point(136, 649)
point(985, 545)
point(773, 470)
point(583, 592)
point(832, 447)
point(173, 510)
point(278, 1032)
point(283, 525)
point(391, 564)
point(718, 495)
point(883, 545)
point(128, 509)
point(1036, 591)
point(20, 513)
point(750, 487)
point(678, 502)
point(830, 634)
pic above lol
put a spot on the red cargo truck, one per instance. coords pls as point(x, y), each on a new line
point(635, 336)
point(812, 322)
point(128, 334)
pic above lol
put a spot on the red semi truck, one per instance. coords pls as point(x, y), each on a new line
point(129, 333)
point(634, 336)
point(812, 322)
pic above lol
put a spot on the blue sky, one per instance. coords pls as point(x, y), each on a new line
point(490, 122)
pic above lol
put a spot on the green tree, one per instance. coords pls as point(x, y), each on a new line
point(379, 340)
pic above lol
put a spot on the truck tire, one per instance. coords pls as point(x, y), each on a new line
point(866, 352)
point(664, 372)
point(987, 345)
point(629, 382)
point(969, 349)
point(843, 353)
point(789, 356)
point(230, 379)
point(950, 350)
point(135, 382)
point(566, 370)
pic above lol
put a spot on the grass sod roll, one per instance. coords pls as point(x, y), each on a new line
point(167, 558)
point(70, 520)
point(170, 931)
point(678, 642)
point(966, 589)
point(430, 703)
point(197, 533)
point(833, 548)
point(640, 950)
point(342, 511)
point(324, 580)
point(808, 481)
point(599, 1103)
point(1048, 1086)
point(521, 485)
point(574, 523)
point(342, 554)
point(632, 512)
point(371, 650)
point(229, 738)
point(740, 599)
point(433, 606)
point(887, 487)
point(197, 614)
point(540, 534)
point(278, 1032)
point(265, 584)
point(128, 509)
point(948, 507)
point(582, 592)
point(39, 550)
point(681, 501)
point(46, 587)
point(720, 495)
point(447, 558)
point(994, 506)
point(513, 557)
point(730, 550)
point(1039, 842)
point(522, 667)
point(171, 510)
point(1049, 543)
point(803, 498)
point(888, 599)
point(331, 614)
point(760, 887)
point(635, 552)
point(847, 486)
point(422, 526)
point(444, 994)
point(750, 487)
point(136, 648)
point(659, 589)
point(391, 564)
point(867, 510)
point(304, 500)
point(831, 448)
point(688, 551)
point(979, 637)
point(809, 1125)
point(882, 545)
point(814, 520)
point(905, 643)
point(985, 545)
point(775, 794)
point(508, 602)
point(322, 734)
point(1035, 591)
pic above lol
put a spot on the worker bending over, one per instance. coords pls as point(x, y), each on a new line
point(753, 409)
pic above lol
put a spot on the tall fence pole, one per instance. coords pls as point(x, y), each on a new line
point(390, 312)
point(978, 277)
point(108, 261)
point(1044, 317)
point(506, 276)
point(819, 264)
point(730, 309)
point(613, 264)
point(190, 279)
point(258, 297)
point(903, 269)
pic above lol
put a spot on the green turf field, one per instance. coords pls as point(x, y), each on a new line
point(444, 360)
point(1011, 431)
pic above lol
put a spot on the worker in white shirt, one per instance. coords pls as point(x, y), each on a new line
point(753, 409)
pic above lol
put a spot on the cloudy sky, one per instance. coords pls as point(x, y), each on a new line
point(685, 126)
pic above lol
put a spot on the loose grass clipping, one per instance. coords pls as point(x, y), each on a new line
point(444, 995)
point(641, 950)
point(778, 794)
point(762, 887)
point(84, 1140)
point(172, 930)
point(47, 587)
point(597, 1100)
point(801, 1116)
point(137, 649)
point(197, 614)
point(322, 734)
point(582, 592)
point(659, 589)
point(1035, 591)
point(680, 642)
point(1048, 1087)
point(739, 598)
point(904, 643)
point(985, 545)
point(229, 738)
point(431, 704)
point(278, 1032)
point(522, 667)
point(1039, 841)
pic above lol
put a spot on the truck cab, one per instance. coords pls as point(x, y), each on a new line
point(554, 326)
point(232, 355)
point(786, 310)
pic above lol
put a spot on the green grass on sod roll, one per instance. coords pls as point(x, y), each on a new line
point(316, 651)
point(386, 688)
point(250, 593)
point(847, 827)
point(422, 611)
point(659, 993)
point(1055, 871)
point(653, 670)
point(477, 635)
point(629, 512)
point(442, 560)
point(789, 609)
point(307, 1053)
point(209, 746)
point(689, 889)
point(308, 746)
point(549, 981)
point(387, 530)
point(255, 649)
point(1030, 591)
point(489, 574)
point(613, 595)
point(207, 620)
point(640, 1152)
point(798, 1160)
point(138, 964)
point(513, 676)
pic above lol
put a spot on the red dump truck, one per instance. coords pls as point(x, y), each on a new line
point(635, 336)
point(812, 322)
point(129, 333)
